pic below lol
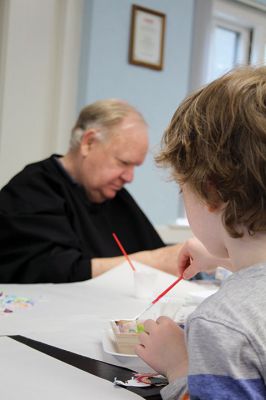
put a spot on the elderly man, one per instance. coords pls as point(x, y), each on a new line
point(57, 215)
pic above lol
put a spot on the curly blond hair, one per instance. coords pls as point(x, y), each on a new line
point(217, 138)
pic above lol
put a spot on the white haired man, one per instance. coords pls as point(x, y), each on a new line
point(57, 215)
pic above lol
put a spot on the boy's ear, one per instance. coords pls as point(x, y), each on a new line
point(88, 138)
point(212, 207)
point(214, 198)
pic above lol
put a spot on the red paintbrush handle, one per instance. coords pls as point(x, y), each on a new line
point(123, 251)
point(167, 290)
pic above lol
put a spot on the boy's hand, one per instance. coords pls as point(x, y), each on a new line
point(194, 257)
point(163, 347)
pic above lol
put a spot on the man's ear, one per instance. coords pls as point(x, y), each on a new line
point(88, 139)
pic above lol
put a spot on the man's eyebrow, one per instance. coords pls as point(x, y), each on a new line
point(129, 162)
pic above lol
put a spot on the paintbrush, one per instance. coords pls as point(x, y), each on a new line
point(159, 297)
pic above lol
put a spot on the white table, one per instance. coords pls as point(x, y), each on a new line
point(75, 316)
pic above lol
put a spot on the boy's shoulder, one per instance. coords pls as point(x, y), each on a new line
point(239, 302)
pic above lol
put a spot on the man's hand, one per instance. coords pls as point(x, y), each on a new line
point(165, 258)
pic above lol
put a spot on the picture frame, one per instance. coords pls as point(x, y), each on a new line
point(147, 35)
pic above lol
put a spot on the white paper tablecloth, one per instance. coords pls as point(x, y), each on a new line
point(75, 316)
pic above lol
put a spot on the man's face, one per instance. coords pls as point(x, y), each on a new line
point(107, 165)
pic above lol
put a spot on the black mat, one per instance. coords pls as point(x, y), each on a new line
point(95, 367)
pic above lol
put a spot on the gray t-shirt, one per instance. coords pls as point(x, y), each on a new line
point(226, 340)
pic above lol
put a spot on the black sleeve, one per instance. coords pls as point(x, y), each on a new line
point(37, 241)
point(49, 231)
point(132, 225)
point(40, 248)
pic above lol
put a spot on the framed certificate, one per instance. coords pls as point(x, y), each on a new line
point(147, 38)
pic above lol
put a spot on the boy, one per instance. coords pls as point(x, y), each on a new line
point(216, 148)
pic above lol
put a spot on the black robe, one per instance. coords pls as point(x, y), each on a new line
point(49, 231)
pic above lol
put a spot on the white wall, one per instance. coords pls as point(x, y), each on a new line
point(47, 72)
point(105, 72)
point(40, 49)
point(44, 81)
